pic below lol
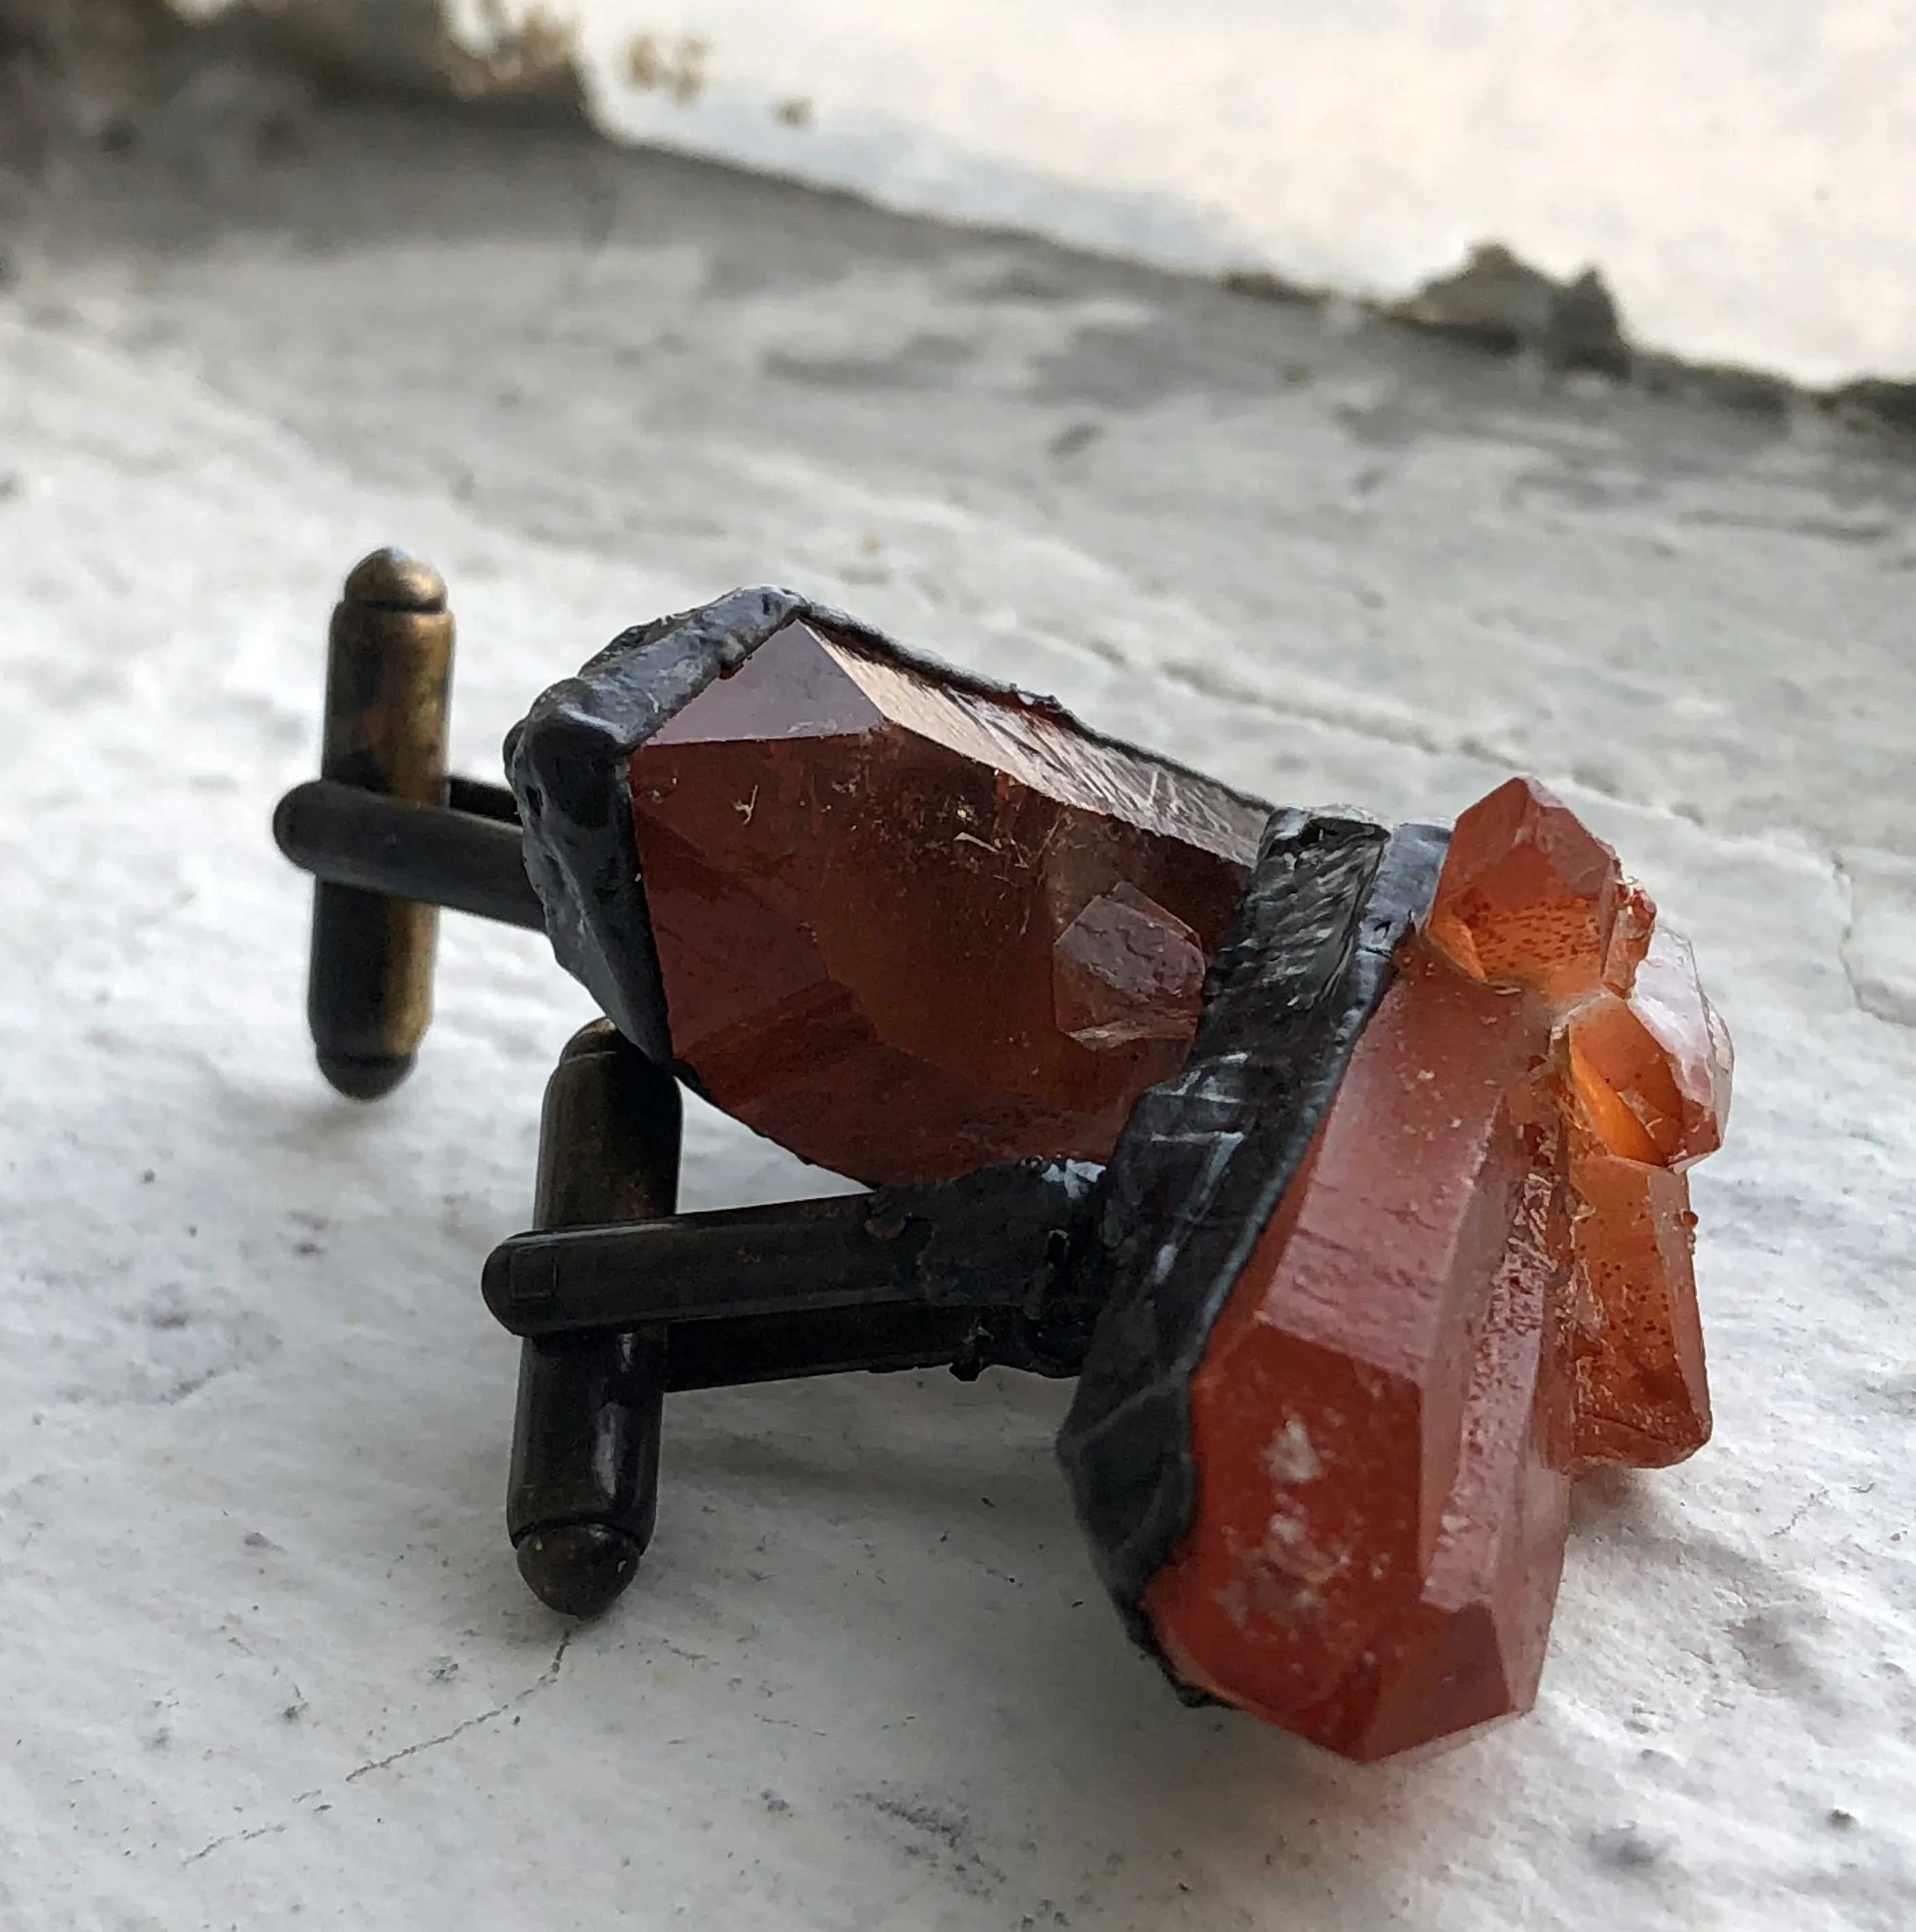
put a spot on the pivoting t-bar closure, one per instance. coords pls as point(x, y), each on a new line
point(389, 835)
point(463, 855)
point(997, 1244)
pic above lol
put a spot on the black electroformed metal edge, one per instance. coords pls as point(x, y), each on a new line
point(996, 1238)
point(566, 762)
point(1205, 1158)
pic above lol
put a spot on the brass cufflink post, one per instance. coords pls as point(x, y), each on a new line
point(389, 674)
point(584, 1487)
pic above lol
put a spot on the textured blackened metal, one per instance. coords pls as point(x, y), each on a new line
point(1205, 1158)
point(426, 855)
point(784, 1347)
point(388, 668)
point(584, 1492)
point(996, 1240)
point(481, 800)
point(567, 762)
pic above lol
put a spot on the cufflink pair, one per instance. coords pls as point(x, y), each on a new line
point(1341, 1164)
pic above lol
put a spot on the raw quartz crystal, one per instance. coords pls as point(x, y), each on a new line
point(908, 926)
point(1479, 1281)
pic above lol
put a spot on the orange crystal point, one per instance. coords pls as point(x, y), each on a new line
point(1642, 1395)
point(1364, 1569)
point(907, 926)
point(1624, 1081)
point(1470, 1649)
point(1629, 937)
point(1529, 896)
point(1654, 1073)
point(1647, 1066)
point(1668, 1000)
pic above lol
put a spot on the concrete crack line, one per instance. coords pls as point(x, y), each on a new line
point(1874, 1007)
point(544, 1680)
point(285, 1675)
point(1846, 885)
point(239, 1838)
point(1802, 1510)
point(1206, 682)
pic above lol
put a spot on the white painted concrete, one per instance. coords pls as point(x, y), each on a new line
point(1745, 175)
point(264, 1660)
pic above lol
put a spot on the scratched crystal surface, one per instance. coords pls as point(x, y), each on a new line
point(1480, 1281)
point(1126, 969)
point(907, 926)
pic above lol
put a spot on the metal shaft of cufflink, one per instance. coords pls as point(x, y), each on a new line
point(390, 839)
point(967, 1273)
point(619, 1302)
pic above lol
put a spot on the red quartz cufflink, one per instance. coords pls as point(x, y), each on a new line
point(1342, 1164)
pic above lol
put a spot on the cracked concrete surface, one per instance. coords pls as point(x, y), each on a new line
point(254, 1422)
point(317, 1799)
point(544, 1681)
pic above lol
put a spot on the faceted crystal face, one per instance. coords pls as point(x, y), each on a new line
point(1480, 1280)
point(1529, 897)
point(907, 928)
point(1375, 1556)
point(1629, 938)
point(1653, 1071)
point(1126, 969)
point(1642, 1398)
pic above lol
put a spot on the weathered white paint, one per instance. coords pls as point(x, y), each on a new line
point(1745, 174)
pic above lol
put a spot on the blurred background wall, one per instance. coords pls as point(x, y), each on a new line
point(1744, 172)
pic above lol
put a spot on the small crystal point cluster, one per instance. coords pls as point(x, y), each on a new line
point(1479, 1281)
point(1393, 1233)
